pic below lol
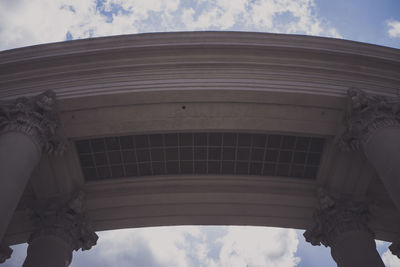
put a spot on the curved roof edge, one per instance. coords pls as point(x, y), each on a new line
point(198, 61)
point(173, 39)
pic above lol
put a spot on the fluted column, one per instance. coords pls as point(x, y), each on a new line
point(28, 127)
point(341, 224)
point(62, 228)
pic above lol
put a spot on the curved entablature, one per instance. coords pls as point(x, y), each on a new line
point(199, 60)
point(119, 96)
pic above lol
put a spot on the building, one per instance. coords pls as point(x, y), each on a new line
point(199, 128)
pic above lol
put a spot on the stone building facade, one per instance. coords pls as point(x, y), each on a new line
point(199, 128)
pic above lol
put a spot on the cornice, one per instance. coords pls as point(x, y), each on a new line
point(206, 38)
point(234, 60)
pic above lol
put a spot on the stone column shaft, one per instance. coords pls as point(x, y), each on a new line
point(383, 151)
point(18, 157)
point(356, 249)
point(48, 251)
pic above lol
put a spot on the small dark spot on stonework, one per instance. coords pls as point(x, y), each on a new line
point(183, 107)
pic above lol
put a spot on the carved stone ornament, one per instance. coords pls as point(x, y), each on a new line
point(36, 117)
point(5, 252)
point(395, 248)
point(366, 113)
point(336, 216)
point(67, 221)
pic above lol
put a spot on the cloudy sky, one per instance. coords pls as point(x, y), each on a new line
point(28, 22)
point(203, 246)
point(31, 22)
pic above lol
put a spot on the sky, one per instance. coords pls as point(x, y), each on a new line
point(203, 246)
point(32, 22)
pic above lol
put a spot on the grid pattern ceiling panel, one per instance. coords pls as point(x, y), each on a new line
point(200, 153)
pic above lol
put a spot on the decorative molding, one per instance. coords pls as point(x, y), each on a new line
point(5, 252)
point(66, 220)
point(35, 116)
point(366, 113)
point(335, 216)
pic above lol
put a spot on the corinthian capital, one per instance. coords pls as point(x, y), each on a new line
point(335, 216)
point(34, 116)
point(366, 113)
point(66, 220)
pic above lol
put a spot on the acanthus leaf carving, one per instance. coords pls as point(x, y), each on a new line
point(35, 116)
point(335, 216)
point(67, 220)
point(366, 113)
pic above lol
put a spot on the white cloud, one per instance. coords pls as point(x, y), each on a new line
point(299, 16)
point(380, 243)
point(186, 246)
point(25, 22)
point(259, 246)
point(161, 245)
point(394, 28)
point(32, 22)
point(28, 22)
point(390, 260)
point(217, 14)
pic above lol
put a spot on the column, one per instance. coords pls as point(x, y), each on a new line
point(341, 224)
point(62, 228)
point(28, 127)
point(372, 124)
